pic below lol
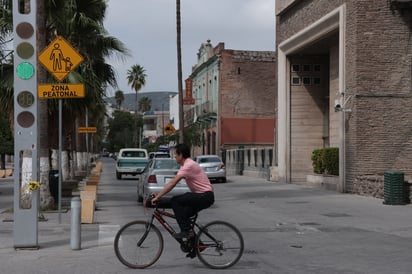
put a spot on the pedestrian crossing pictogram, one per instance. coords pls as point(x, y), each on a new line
point(60, 58)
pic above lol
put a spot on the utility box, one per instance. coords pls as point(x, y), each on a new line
point(395, 188)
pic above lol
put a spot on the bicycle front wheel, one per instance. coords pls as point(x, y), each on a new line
point(138, 244)
point(219, 245)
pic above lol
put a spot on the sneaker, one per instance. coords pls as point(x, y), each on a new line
point(191, 254)
point(185, 234)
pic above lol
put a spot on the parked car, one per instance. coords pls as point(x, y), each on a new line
point(131, 161)
point(159, 154)
point(213, 167)
point(157, 174)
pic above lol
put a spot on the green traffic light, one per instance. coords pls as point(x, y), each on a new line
point(25, 70)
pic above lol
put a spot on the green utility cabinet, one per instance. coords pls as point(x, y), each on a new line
point(396, 190)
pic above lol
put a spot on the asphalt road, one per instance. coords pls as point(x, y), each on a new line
point(287, 229)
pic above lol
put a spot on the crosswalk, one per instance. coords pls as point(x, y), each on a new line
point(107, 233)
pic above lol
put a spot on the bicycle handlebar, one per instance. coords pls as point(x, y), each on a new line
point(163, 202)
point(148, 202)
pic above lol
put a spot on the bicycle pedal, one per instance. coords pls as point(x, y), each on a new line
point(191, 255)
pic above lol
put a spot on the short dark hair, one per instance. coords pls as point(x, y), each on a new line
point(183, 150)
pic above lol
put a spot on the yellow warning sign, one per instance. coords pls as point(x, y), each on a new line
point(58, 91)
point(59, 58)
point(86, 129)
point(169, 128)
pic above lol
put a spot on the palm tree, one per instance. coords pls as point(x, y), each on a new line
point(179, 71)
point(81, 23)
point(46, 200)
point(145, 104)
point(136, 78)
point(119, 97)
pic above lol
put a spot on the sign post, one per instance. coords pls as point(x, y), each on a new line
point(60, 58)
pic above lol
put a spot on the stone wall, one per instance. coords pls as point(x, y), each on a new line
point(369, 185)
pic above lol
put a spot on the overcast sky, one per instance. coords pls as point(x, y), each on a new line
point(148, 29)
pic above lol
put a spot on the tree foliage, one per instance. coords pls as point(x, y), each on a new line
point(119, 97)
point(6, 138)
point(145, 104)
point(136, 77)
point(121, 129)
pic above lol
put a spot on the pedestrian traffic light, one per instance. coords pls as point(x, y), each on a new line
point(25, 123)
point(25, 61)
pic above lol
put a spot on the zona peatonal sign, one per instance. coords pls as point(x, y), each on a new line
point(54, 91)
point(60, 58)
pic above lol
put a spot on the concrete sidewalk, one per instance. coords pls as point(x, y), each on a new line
point(287, 228)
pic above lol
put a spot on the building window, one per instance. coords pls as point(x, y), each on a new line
point(306, 81)
point(295, 68)
point(307, 68)
point(295, 81)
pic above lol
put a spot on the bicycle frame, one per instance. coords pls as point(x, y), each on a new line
point(159, 216)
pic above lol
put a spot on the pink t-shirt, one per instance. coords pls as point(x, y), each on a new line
point(195, 177)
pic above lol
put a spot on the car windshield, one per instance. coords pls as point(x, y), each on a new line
point(166, 164)
point(134, 154)
point(209, 160)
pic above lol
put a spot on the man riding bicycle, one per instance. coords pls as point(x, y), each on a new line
point(186, 205)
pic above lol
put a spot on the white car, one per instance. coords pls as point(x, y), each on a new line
point(159, 154)
point(131, 161)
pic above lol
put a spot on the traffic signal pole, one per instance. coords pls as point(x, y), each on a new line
point(26, 193)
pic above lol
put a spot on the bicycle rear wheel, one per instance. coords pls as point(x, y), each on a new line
point(135, 248)
point(219, 245)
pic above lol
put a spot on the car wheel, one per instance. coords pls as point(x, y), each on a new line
point(223, 180)
point(118, 175)
point(139, 197)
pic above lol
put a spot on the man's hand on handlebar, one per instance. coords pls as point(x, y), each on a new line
point(153, 198)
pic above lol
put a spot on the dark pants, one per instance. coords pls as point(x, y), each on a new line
point(188, 204)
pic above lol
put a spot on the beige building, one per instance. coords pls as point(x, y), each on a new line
point(344, 80)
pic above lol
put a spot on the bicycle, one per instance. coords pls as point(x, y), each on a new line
point(139, 244)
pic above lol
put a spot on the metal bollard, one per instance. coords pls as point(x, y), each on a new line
point(75, 234)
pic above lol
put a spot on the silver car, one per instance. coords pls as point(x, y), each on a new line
point(213, 167)
point(157, 174)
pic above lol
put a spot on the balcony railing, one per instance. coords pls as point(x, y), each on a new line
point(204, 114)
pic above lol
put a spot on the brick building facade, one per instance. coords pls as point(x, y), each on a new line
point(234, 94)
point(363, 53)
